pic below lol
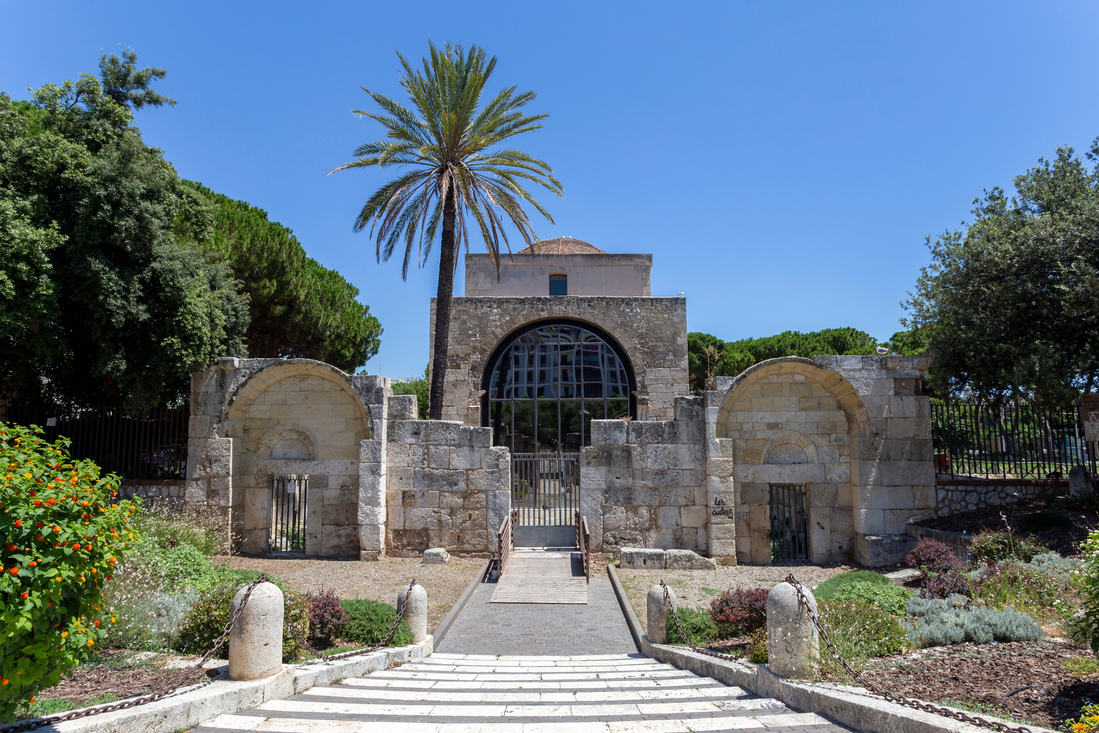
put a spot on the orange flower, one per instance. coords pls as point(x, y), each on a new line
point(95, 623)
point(24, 596)
point(76, 545)
point(32, 563)
point(18, 522)
point(64, 634)
point(14, 571)
point(88, 548)
point(51, 502)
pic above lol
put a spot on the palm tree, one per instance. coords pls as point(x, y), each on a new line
point(445, 138)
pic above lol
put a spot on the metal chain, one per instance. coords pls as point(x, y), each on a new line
point(870, 686)
point(181, 681)
point(380, 644)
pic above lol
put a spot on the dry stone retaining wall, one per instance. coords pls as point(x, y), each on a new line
point(963, 495)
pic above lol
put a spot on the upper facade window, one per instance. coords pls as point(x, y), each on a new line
point(559, 284)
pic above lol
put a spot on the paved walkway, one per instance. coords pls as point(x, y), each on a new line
point(542, 575)
point(448, 693)
point(597, 627)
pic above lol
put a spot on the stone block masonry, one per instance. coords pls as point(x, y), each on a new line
point(447, 486)
point(651, 331)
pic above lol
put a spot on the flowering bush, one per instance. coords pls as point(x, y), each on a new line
point(739, 611)
point(1088, 722)
point(931, 557)
point(60, 538)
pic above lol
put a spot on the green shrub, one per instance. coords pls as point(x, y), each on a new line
point(368, 621)
point(860, 631)
point(1031, 590)
point(941, 622)
point(757, 647)
point(989, 546)
point(697, 624)
point(61, 535)
point(174, 567)
point(205, 620)
point(827, 590)
point(1087, 625)
point(889, 598)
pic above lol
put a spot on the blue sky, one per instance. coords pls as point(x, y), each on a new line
point(782, 162)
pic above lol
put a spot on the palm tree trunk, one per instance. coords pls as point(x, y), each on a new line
point(447, 254)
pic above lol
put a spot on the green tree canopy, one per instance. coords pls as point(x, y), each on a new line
point(1008, 305)
point(118, 278)
point(709, 356)
point(450, 141)
point(297, 307)
point(101, 304)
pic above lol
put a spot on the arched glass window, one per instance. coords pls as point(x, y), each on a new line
point(559, 284)
point(544, 387)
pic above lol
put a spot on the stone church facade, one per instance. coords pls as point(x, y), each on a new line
point(566, 357)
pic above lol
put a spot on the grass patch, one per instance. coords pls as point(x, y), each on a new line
point(1081, 665)
point(706, 591)
point(829, 589)
point(43, 708)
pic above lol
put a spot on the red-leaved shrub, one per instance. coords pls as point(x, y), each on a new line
point(326, 617)
point(944, 584)
point(931, 557)
point(739, 612)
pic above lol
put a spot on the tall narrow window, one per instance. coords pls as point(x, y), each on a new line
point(559, 285)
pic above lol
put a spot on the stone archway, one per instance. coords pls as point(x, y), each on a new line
point(297, 417)
point(792, 428)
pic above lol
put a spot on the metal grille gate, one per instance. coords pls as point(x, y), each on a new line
point(545, 488)
point(288, 502)
point(789, 522)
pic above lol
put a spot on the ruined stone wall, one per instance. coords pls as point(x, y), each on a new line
point(252, 419)
point(447, 486)
point(164, 492)
point(643, 483)
point(652, 332)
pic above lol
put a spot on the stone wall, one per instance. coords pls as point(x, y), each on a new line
point(252, 419)
point(168, 492)
point(447, 486)
point(851, 429)
point(643, 483)
point(963, 495)
point(651, 331)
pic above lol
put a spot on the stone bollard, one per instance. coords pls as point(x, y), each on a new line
point(255, 641)
point(792, 644)
point(416, 615)
point(656, 614)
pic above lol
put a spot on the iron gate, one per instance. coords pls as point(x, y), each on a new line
point(545, 488)
point(789, 522)
point(288, 502)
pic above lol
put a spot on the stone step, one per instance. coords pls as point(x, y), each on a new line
point(452, 693)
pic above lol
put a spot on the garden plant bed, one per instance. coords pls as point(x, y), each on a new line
point(1059, 524)
point(379, 580)
point(696, 588)
point(113, 675)
point(979, 677)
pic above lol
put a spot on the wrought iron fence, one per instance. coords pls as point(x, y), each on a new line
point(152, 445)
point(1015, 441)
point(545, 487)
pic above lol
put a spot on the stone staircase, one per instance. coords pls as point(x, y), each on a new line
point(608, 693)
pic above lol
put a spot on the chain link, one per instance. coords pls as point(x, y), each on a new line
point(870, 686)
point(380, 644)
point(183, 680)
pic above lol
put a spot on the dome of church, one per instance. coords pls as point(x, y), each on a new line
point(561, 246)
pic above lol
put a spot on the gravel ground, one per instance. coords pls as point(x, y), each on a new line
point(695, 588)
point(379, 581)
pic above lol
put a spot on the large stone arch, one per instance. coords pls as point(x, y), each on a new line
point(297, 416)
point(789, 421)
